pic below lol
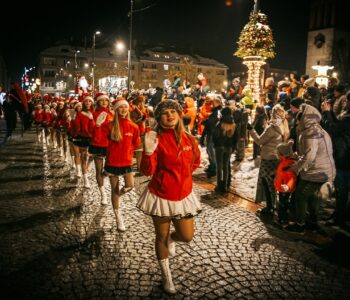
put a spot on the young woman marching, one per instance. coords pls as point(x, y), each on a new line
point(124, 137)
point(83, 125)
point(99, 142)
point(171, 155)
point(38, 115)
point(46, 123)
point(53, 116)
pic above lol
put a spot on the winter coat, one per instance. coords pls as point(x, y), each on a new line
point(221, 140)
point(190, 111)
point(100, 133)
point(316, 162)
point(268, 140)
point(171, 166)
point(210, 123)
point(339, 106)
point(285, 175)
point(339, 130)
point(120, 154)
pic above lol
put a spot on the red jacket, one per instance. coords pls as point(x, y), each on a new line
point(82, 125)
point(47, 117)
point(119, 154)
point(172, 166)
point(287, 177)
point(38, 115)
point(100, 133)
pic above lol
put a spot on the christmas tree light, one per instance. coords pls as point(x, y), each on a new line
point(255, 45)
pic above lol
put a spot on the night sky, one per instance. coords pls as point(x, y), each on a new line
point(209, 28)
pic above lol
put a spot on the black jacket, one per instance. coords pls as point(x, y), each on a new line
point(339, 130)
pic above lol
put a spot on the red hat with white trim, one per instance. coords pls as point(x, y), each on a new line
point(100, 96)
point(120, 101)
point(87, 96)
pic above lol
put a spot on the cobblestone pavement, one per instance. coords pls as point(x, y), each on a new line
point(58, 242)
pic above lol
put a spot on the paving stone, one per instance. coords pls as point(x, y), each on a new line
point(57, 241)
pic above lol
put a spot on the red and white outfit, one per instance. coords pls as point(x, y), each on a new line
point(120, 154)
point(170, 192)
point(100, 133)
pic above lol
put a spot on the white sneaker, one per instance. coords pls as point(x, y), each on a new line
point(168, 284)
point(120, 221)
point(171, 246)
point(86, 181)
point(103, 195)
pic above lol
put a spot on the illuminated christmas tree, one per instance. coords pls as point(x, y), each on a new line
point(256, 38)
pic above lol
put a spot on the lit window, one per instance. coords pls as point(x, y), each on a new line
point(166, 67)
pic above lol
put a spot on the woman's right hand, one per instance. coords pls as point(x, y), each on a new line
point(151, 142)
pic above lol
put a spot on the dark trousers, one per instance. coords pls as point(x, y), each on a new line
point(307, 196)
point(341, 184)
point(223, 155)
point(256, 150)
point(283, 206)
point(211, 154)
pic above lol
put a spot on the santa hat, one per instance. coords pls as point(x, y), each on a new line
point(120, 102)
point(88, 97)
point(100, 96)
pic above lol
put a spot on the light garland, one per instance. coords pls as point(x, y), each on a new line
point(254, 64)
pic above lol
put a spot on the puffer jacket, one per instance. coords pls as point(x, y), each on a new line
point(316, 162)
point(268, 140)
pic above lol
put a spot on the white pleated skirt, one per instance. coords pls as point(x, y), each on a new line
point(153, 205)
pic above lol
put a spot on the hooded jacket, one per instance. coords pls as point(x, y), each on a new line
point(316, 162)
point(268, 140)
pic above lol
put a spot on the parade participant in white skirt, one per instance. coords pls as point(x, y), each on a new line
point(99, 141)
point(83, 125)
point(38, 116)
point(124, 137)
point(171, 155)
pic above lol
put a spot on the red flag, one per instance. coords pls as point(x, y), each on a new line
point(22, 96)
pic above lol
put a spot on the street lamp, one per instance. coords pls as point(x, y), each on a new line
point(93, 60)
point(130, 43)
point(76, 70)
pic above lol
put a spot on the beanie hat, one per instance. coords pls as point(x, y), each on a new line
point(119, 103)
point(100, 96)
point(167, 104)
point(285, 149)
point(296, 102)
point(309, 82)
point(226, 116)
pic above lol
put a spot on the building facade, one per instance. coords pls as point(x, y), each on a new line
point(60, 66)
point(328, 38)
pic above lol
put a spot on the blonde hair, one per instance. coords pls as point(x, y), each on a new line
point(117, 133)
point(228, 129)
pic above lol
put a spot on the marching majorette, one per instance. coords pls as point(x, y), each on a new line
point(38, 116)
point(170, 157)
point(124, 137)
point(99, 141)
point(83, 125)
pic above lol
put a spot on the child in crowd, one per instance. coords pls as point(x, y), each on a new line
point(285, 180)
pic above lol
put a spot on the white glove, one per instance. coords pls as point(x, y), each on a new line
point(151, 142)
point(101, 118)
point(285, 187)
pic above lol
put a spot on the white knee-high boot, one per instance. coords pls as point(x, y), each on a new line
point(86, 181)
point(79, 173)
point(171, 246)
point(168, 284)
point(103, 195)
point(120, 221)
